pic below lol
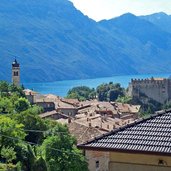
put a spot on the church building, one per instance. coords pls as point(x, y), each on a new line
point(16, 73)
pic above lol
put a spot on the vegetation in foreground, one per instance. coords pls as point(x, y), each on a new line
point(29, 143)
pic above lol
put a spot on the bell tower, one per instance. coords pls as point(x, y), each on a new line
point(16, 73)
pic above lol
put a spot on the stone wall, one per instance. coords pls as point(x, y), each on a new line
point(156, 89)
point(97, 160)
point(16, 76)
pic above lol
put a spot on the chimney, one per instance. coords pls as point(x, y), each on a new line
point(105, 117)
point(69, 120)
point(89, 124)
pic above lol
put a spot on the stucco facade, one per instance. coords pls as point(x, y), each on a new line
point(117, 161)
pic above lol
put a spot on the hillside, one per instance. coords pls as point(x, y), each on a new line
point(54, 41)
point(146, 44)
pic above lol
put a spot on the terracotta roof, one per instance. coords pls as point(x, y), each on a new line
point(83, 133)
point(46, 114)
point(70, 101)
point(52, 97)
point(100, 122)
point(29, 92)
point(151, 135)
point(127, 108)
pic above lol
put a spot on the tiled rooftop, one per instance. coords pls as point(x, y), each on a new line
point(152, 135)
point(83, 133)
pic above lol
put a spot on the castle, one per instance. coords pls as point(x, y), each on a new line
point(158, 89)
point(16, 73)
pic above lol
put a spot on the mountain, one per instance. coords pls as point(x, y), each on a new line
point(142, 30)
point(53, 40)
point(147, 45)
point(160, 19)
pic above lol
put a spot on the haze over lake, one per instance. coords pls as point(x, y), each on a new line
point(61, 88)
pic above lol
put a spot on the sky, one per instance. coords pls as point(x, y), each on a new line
point(106, 9)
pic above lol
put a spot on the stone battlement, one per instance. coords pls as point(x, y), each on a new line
point(158, 89)
point(149, 81)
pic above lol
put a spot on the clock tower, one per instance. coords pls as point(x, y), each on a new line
point(16, 73)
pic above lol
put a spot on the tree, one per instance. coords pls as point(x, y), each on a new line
point(21, 104)
point(61, 153)
point(113, 94)
point(7, 89)
point(27, 141)
point(109, 92)
point(124, 99)
point(40, 165)
point(102, 91)
point(35, 110)
point(81, 93)
point(11, 133)
point(8, 154)
point(59, 150)
point(32, 122)
point(6, 106)
point(18, 90)
point(4, 88)
point(29, 158)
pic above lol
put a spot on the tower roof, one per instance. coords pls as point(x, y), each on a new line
point(15, 63)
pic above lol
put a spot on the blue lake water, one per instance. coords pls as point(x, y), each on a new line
point(61, 88)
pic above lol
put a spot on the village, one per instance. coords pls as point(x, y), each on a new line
point(112, 135)
point(85, 85)
point(85, 119)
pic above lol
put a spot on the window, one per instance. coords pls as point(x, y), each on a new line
point(15, 73)
point(97, 164)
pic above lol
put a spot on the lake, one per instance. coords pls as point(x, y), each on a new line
point(61, 88)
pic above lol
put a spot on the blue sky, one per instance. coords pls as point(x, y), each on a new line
point(105, 9)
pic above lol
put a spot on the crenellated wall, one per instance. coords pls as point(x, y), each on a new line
point(156, 89)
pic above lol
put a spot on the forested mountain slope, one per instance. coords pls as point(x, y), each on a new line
point(53, 40)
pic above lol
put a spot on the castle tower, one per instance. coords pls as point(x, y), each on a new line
point(16, 73)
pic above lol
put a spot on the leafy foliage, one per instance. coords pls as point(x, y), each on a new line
point(67, 158)
point(104, 92)
point(32, 122)
point(21, 104)
point(109, 92)
point(81, 93)
point(4, 88)
point(10, 127)
point(124, 99)
point(8, 154)
point(27, 141)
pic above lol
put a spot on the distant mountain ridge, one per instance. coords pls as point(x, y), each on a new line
point(54, 41)
point(160, 19)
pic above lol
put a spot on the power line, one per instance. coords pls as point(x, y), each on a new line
point(39, 131)
point(31, 143)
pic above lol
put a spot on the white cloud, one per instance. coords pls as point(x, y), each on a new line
point(101, 9)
